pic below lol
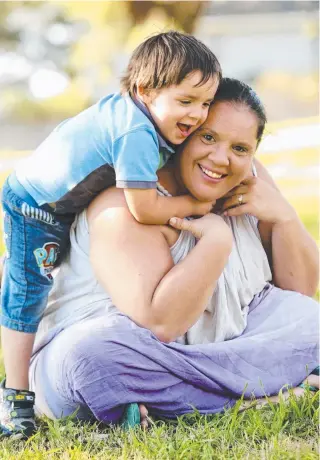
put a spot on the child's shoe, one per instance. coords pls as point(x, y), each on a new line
point(16, 412)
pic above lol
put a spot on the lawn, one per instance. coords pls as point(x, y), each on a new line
point(284, 431)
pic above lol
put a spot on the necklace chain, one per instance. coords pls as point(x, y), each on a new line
point(162, 189)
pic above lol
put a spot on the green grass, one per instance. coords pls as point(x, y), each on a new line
point(283, 431)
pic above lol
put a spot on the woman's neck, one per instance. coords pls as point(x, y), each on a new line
point(169, 178)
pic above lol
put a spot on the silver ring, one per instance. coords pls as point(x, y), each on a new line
point(240, 199)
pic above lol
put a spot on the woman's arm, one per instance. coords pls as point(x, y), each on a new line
point(295, 256)
point(134, 264)
point(292, 252)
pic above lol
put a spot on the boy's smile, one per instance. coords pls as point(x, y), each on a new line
point(180, 109)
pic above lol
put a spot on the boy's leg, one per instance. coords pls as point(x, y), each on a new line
point(33, 242)
point(16, 343)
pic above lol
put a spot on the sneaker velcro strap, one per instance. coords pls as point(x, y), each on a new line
point(22, 413)
point(20, 397)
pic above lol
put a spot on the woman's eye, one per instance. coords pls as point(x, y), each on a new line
point(185, 102)
point(206, 104)
point(208, 137)
point(240, 149)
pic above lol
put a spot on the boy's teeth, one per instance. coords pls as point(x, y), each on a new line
point(210, 173)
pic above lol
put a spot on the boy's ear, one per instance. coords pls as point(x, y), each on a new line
point(144, 94)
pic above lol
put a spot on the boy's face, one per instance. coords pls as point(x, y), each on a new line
point(180, 109)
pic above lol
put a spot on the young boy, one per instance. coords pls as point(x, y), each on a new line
point(170, 82)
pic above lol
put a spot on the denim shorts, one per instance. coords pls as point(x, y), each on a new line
point(35, 242)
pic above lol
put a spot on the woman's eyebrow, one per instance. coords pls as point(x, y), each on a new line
point(244, 144)
point(206, 129)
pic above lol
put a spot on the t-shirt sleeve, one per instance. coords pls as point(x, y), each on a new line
point(136, 159)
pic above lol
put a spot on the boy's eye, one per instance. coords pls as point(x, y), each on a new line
point(185, 102)
point(240, 150)
point(206, 104)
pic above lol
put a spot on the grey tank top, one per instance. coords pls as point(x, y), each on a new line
point(77, 295)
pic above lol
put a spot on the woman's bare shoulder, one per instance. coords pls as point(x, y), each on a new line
point(109, 198)
point(111, 203)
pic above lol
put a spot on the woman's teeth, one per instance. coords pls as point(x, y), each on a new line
point(211, 173)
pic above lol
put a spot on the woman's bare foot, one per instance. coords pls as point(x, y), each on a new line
point(143, 416)
point(312, 380)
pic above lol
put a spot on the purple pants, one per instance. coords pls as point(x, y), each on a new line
point(100, 365)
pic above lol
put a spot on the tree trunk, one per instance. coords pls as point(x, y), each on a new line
point(185, 14)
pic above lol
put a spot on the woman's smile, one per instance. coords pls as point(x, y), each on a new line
point(218, 155)
point(212, 176)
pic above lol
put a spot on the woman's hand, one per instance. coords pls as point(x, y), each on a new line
point(208, 224)
point(257, 197)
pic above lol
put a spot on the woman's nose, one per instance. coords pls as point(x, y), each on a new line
point(219, 155)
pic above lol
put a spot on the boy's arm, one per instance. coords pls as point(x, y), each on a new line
point(136, 160)
point(147, 207)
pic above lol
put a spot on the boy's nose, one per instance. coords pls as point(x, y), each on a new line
point(197, 113)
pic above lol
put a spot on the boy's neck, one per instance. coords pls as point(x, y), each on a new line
point(163, 142)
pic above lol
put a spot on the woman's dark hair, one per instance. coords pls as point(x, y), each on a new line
point(233, 90)
point(166, 59)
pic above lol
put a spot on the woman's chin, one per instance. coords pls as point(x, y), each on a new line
point(209, 191)
point(206, 196)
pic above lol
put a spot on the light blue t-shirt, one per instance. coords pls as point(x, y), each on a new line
point(111, 142)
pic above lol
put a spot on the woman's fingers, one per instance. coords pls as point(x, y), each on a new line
point(199, 227)
point(237, 190)
point(238, 210)
point(249, 181)
point(188, 225)
point(236, 200)
point(180, 224)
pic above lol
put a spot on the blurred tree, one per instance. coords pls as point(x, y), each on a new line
point(86, 43)
point(185, 14)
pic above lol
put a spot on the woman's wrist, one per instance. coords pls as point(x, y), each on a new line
point(219, 238)
point(286, 215)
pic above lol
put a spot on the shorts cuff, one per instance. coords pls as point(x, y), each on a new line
point(18, 325)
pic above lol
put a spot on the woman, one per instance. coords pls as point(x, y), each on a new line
point(197, 322)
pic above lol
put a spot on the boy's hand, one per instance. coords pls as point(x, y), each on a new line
point(201, 208)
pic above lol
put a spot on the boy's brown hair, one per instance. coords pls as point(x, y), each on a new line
point(166, 59)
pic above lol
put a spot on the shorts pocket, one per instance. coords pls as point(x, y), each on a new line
point(7, 234)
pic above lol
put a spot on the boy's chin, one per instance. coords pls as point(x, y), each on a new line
point(177, 141)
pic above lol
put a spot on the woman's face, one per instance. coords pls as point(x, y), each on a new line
point(219, 154)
